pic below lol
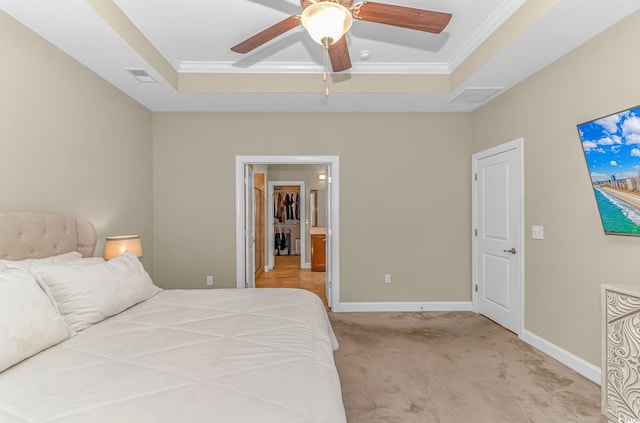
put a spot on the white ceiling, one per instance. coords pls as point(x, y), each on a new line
point(185, 46)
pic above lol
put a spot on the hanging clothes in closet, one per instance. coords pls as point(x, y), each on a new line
point(286, 206)
point(286, 214)
point(282, 242)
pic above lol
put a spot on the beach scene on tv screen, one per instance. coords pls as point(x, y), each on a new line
point(611, 147)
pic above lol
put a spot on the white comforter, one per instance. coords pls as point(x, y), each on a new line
point(187, 356)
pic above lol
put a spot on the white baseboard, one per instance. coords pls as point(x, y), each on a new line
point(570, 360)
point(405, 306)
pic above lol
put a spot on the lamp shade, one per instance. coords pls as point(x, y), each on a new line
point(326, 21)
point(114, 246)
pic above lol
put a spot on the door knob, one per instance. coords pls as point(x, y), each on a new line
point(512, 251)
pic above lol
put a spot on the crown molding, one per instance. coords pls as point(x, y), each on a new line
point(499, 17)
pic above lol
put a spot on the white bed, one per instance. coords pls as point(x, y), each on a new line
point(227, 355)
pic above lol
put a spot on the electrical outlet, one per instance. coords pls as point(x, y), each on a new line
point(387, 278)
point(209, 280)
point(537, 232)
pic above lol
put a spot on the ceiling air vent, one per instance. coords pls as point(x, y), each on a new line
point(141, 75)
point(476, 95)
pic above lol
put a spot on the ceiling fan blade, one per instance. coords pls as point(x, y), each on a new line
point(405, 17)
point(267, 35)
point(339, 55)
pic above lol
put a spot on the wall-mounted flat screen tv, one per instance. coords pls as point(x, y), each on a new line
point(611, 146)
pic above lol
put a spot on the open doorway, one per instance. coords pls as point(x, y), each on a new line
point(294, 219)
point(330, 176)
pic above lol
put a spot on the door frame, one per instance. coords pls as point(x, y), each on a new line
point(250, 222)
point(333, 162)
point(270, 225)
point(518, 145)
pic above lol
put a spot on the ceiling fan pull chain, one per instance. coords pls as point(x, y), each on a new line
point(324, 74)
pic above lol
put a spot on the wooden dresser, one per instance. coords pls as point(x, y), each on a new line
point(318, 249)
point(621, 353)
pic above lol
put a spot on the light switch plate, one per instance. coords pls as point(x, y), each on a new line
point(537, 232)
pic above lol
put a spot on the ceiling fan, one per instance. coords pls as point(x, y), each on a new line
point(327, 21)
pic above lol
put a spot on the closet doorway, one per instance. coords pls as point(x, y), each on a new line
point(286, 221)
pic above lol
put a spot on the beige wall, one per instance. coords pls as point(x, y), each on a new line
point(71, 143)
point(404, 196)
point(564, 271)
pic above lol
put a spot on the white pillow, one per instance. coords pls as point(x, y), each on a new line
point(28, 321)
point(73, 257)
point(85, 261)
point(86, 295)
point(79, 262)
point(47, 261)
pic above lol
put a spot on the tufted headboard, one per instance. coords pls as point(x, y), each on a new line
point(25, 235)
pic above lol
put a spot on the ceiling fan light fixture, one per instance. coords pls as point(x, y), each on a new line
point(326, 21)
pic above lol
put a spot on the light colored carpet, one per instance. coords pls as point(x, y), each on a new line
point(452, 367)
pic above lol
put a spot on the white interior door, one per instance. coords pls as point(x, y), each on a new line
point(250, 229)
point(498, 240)
point(329, 240)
